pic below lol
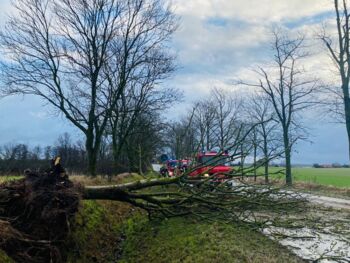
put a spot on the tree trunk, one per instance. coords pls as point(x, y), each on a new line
point(140, 159)
point(132, 158)
point(116, 151)
point(92, 147)
point(255, 150)
point(266, 160)
point(266, 172)
point(289, 181)
point(347, 117)
point(121, 192)
point(348, 132)
point(92, 160)
point(90, 156)
point(208, 139)
point(287, 152)
point(255, 146)
point(267, 163)
point(242, 162)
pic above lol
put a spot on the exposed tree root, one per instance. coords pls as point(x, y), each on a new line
point(35, 216)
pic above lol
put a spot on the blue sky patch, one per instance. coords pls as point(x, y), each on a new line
point(217, 21)
point(317, 19)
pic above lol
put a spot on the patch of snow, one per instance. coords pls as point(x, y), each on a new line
point(311, 244)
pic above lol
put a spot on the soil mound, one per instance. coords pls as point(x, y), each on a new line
point(35, 215)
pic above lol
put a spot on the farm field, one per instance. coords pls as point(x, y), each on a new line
point(338, 177)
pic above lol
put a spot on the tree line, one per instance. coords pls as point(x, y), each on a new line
point(15, 158)
point(272, 110)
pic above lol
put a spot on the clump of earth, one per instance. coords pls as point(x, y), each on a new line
point(36, 213)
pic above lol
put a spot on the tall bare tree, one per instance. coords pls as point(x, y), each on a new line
point(288, 89)
point(204, 119)
point(78, 55)
point(267, 133)
point(227, 116)
point(339, 50)
point(126, 113)
point(182, 137)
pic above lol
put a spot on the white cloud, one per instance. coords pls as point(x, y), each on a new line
point(213, 53)
point(197, 35)
point(259, 11)
point(238, 44)
point(5, 9)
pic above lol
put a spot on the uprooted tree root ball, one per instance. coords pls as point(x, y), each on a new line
point(35, 215)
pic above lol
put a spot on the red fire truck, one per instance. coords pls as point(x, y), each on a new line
point(212, 163)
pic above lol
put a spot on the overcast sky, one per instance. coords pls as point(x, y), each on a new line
point(217, 42)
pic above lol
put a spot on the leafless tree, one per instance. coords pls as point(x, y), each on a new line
point(36, 152)
point(288, 89)
point(339, 50)
point(267, 136)
point(204, 119)
point(143, 61)
point(220, 124)
point(80, 55)
point(227, 116)
point(143, 141)
point(127, 112)
point(182, 137)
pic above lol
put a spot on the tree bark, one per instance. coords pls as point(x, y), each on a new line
point(347, 116)
point(92, 146)
point(208, 138)
point(140, 159)
point(242, 162)
point(266, 172)
point(92, 160)
point(255, 146)
point(267, 163)
point(255, 149)
point(90, 155)
point(287, 151)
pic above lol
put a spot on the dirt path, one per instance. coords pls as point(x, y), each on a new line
point(328, 201)
point(323, 234)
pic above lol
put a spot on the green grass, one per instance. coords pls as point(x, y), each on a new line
point(106, 232)
point(96, 232)
point(8, 178)
point(338, 177)
point(184, 240)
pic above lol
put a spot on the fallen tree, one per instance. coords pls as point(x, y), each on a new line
point(36, 212)
point(200, 197)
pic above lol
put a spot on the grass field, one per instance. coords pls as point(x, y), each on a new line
point(339, 177)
